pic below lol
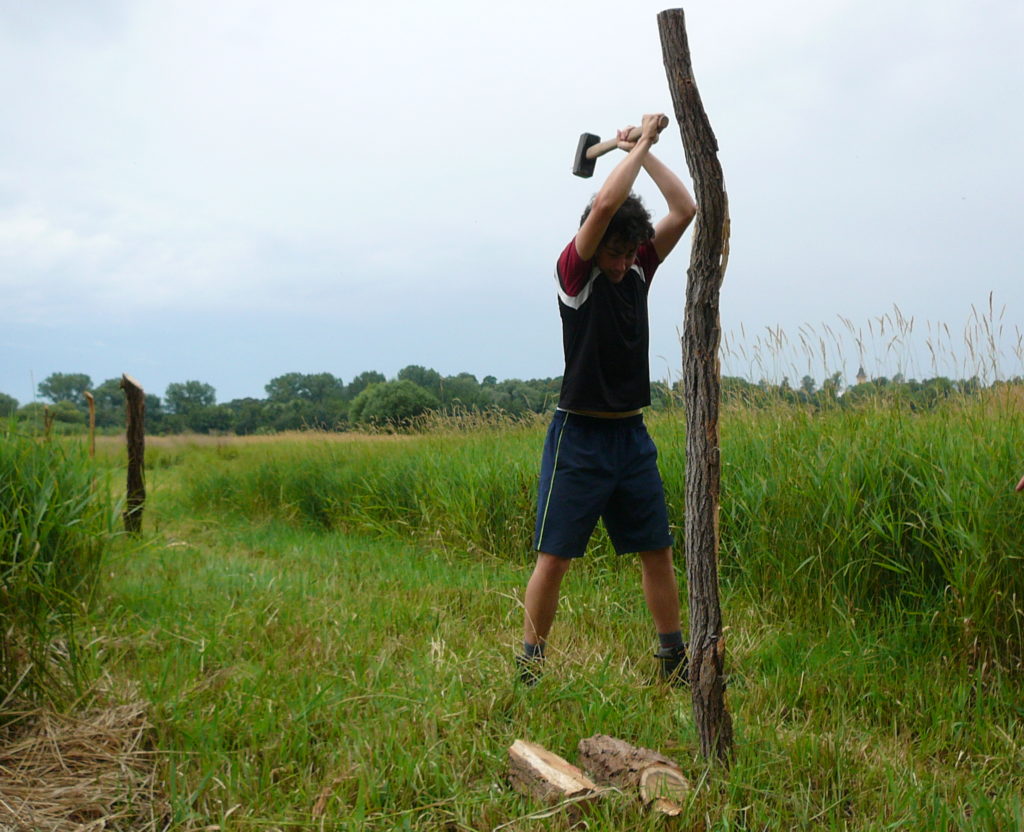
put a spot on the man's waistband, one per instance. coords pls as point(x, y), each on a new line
point(598, 414)
point(598, 419)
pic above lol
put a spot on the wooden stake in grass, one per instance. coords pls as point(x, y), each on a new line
point(92, 424)
point(47, 422)
point(702, 390)
point(135, 421)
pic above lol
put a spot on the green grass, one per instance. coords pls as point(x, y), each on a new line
point(285, 666)
point(325, 629)
point(844, 509)
point(56, 521)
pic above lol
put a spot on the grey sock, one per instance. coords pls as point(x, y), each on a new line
point(533, 651)
point(671, 639)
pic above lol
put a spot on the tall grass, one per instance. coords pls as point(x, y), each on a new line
point(831, 513)
point(56, 521)
point(985, 347)
point(851, 510)
point(470, 489)
point(324, 626)
point(308, 679)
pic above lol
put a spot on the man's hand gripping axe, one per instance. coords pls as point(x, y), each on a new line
point(591, 146)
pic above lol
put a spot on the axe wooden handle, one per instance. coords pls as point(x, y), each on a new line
point(609, 145)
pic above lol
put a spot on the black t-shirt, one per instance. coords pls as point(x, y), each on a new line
point(605, 333)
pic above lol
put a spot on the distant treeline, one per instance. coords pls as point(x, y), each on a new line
point(322, 401)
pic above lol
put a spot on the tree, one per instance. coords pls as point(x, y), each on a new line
point(361, 382)
point(65, 411)
point(110, 404)
point(8, 405)
point(429, 380)
point(516, 396)
point(462, 389)
point(154, 413)
point(310, 387)
point(214, 417)
point(184, 398)
point(248, 415)
point(391, 403)
point(309, 400)
point(830, 386)
point(69, 387)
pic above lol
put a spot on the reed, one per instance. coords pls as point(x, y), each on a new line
point(56, 521)
point(822, 511)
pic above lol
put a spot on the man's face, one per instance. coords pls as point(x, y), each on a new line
point(614, 258)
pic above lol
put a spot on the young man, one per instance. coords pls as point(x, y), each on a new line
point(598, 459)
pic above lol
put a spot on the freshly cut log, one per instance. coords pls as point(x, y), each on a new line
point(659, 779)
point(536, 772)
point(663, 788)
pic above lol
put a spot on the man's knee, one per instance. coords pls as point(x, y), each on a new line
point(657, 555)
point(552, 566)
point(657, 560)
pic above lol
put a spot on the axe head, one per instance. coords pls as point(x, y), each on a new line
point(581, 165)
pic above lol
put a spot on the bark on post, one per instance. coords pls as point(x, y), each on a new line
point(702, 390)
point(135, 420)
point(92, 423)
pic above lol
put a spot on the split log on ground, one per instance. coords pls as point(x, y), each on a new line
point(659, 779)
point(536, 772)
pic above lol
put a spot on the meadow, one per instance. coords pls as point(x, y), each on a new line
point(322, 631)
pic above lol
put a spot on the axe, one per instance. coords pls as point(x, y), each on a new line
point(591, 146)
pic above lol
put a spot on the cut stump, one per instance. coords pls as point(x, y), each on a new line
point(536, 772)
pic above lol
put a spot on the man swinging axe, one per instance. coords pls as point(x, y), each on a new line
point(598, 459)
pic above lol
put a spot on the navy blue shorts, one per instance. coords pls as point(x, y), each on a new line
point(600, 468)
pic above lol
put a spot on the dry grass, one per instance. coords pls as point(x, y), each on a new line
point(85, 772)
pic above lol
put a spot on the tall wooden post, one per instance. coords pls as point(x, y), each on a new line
point(702, 391)
point(92, 423)
point(135, 420)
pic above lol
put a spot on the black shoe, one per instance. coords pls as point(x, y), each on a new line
point(529, 670)
point(674, 665)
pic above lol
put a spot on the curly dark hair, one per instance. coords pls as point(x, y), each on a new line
point(631, 223)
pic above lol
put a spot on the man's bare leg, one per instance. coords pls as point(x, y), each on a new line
point(660, 589)
point(541, 599)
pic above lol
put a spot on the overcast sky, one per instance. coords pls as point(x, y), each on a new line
point(231, 191)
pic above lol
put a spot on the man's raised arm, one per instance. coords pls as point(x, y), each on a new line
point(617, 186)
point(681, 206)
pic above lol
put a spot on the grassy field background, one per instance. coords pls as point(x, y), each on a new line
point(324, 629)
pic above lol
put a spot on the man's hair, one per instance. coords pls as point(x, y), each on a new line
point(631, 223)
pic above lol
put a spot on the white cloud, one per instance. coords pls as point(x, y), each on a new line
point(375, 163)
